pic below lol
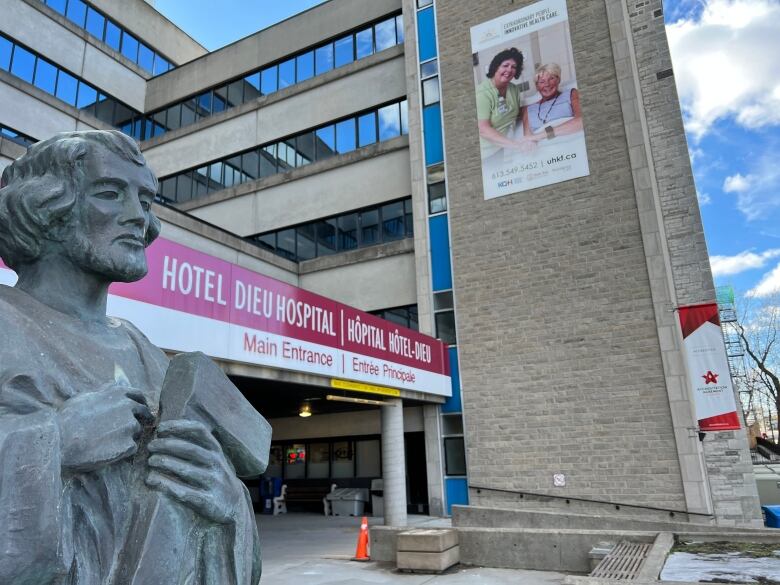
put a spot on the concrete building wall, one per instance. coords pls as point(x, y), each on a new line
point(729, 470)
point(341, 189)
point(287, 37)
point(73, 49)
point(153, 28)
point(278, 115)
point(555, 320)
point(369, 285)
point(38, 114)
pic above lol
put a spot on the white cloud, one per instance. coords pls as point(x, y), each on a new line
point(747, 260)
point(704, 199)
point(737, 183)
point(768, 285)
point(758, 190)
point(726, 64)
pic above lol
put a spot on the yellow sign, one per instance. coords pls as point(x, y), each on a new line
point(359, 387)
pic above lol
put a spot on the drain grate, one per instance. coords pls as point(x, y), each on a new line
point(623, 562)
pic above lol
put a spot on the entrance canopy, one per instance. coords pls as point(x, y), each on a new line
point(193, 301)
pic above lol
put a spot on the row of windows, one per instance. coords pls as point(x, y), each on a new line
point(104, 29)
point(42, 73)
point(404, 316)
point(296, 69)
point(349, 231)
point(18, 137)
point(318, 144)
point(333, 459)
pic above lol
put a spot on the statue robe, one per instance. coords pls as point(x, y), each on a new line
point(87, 528)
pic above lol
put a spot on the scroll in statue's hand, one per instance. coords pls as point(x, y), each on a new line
point(102, 427)
point(187, 464)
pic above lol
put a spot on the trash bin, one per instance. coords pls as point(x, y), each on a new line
point(377, 497)
point(771, 516)
point(347, 501)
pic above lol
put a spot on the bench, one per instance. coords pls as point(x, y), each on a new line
point(302, 494)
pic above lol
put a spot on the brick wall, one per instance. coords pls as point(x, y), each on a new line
point(561, 364)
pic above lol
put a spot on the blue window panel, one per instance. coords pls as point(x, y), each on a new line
point(434, 145)
point(457, 492)
point(268, 80)
point(386, 36)
point(67, 86)
point(95, 23)
point(399, 29)
point(426, 34)
point(365, 43)
point(146, 58)
point(161, 65)
point(287, 73)
point(5, 53)
point(129, 46)
point(113, 35)
point(441, 272)
point(305, 66)
point(345, 136)
point(345, 50)
point(58, 5)
point(77, 12)
point(454, 403)
point(323, 57)
point(45, 76)
point(367, 129)
point(389, 122)
point(23, 65)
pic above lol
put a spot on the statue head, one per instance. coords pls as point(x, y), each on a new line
point(84, 198)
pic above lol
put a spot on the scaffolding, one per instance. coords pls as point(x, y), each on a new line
point(727, 312)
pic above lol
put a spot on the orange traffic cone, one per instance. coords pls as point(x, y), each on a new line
point(361, 554)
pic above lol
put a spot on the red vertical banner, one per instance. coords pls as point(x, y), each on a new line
point(708, 368)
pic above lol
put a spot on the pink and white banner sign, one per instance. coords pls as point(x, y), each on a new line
point(708, 368)
point(193, 301)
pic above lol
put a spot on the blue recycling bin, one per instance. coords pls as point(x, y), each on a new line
point(771, 516)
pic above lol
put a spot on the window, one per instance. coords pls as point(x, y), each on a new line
point(45, 76)
point(389, 122)
point(76, 12)
point(344, 51)
point(429, 68)
point(385, 34)
point(343, 459)
point(325, 142)
point(319, 461)
point(5, 53)
point(345, 136)
point(96, 23)
point(368, 458)
point(287, 73)
point(23, 65)
point(323, 59)
point(369, 226)
point(367, 129)
point(404, 316)
point(305, 66)
point(430, 88)
point(437, 198)
point(129, 46)
point(364, 42)
point(444, 316)
point(268, 80)
point(295, 461)
point(113, 35)
point(454, 456)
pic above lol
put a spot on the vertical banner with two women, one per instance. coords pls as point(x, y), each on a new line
point(528, 105)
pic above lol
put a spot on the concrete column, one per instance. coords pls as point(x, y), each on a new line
point(433, 459)
point(394, 462)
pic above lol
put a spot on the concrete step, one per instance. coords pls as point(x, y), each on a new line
point(427, 550)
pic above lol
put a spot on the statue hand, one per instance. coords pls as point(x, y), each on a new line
point(99, 428)
point(187, 464)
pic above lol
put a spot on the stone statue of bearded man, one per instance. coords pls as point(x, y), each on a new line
point(86, 465)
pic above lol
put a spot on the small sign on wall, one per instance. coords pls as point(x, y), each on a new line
point(559, 480)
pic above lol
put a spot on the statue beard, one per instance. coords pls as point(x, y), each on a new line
point(115, 262)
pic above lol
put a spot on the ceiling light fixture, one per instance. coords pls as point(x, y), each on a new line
point(305, 410)
point(356, 400)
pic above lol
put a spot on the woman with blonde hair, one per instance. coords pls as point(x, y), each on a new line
point(558, 111)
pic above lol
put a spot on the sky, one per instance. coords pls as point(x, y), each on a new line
point(726, 56)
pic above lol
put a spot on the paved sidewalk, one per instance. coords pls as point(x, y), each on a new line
point(311, 549)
